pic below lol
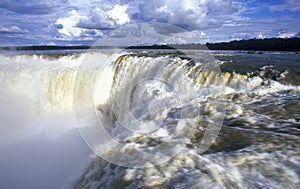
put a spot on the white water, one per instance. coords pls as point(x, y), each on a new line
point(42, 148)
point(39, 141)
point(150, 124)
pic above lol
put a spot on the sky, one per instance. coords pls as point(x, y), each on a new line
point(83, 22)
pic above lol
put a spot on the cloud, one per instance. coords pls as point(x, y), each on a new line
point(105, 20)
point(189, 14)
point(290, 5)
point(58, 26)
point(260, 36)
point(90, 26)
point(138, 34)
point(67, 25)
point(151, 33)
point(189, 37)
point(240, 36)
point(77, 21)
point(35, 7)
point(11, 30)
point(90, 33)
point(66, 28)
point(285, 34)
point(118, 13)
point(97, 19)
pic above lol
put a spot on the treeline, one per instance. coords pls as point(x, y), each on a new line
point(271, 44)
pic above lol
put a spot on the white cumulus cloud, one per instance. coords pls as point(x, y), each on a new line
point(68, 29)
point(67, 25)
point(97, 19)
point(285, 34)
point(118, 13)
point(103, 20)
point(188, 14)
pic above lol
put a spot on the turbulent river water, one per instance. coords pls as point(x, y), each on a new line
point(221, 119)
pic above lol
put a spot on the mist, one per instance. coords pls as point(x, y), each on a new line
point(38, 151)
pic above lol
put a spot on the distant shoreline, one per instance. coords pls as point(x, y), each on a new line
point(272, 44)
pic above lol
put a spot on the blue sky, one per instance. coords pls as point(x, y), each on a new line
point(82, 22)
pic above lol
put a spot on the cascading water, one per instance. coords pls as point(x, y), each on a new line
point(157, 116)
point(153, 120)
